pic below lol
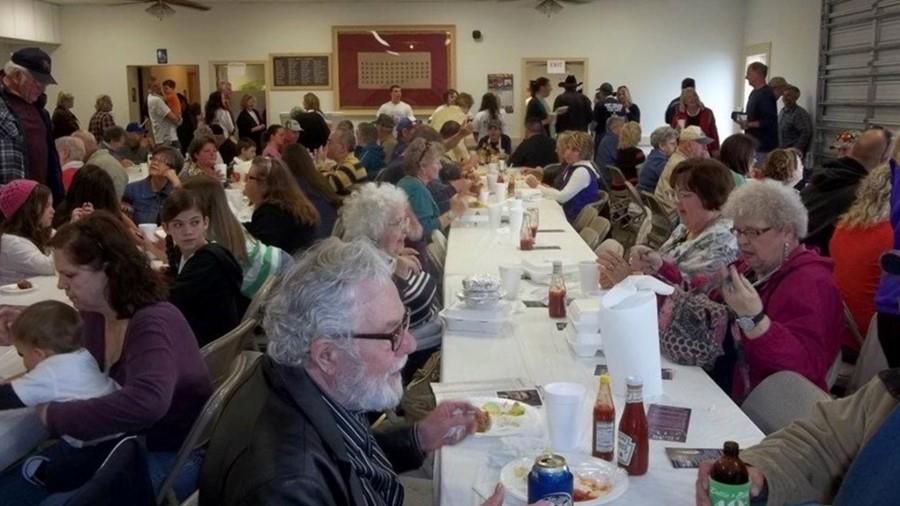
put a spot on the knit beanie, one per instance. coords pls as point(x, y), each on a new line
point(14, 194)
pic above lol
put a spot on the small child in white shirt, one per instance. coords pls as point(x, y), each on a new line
point(47, 336)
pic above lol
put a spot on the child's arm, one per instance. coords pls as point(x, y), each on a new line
point(11, 378)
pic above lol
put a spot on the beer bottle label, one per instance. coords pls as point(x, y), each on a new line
point(605, 436)
point(626, 449)
point(722, 494)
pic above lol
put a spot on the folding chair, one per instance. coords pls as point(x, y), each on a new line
point(660, 219)
point(436, 256)
point(590, 236)
point(584, 217)
point(601, 225)
point(626, 209)
point(766, 404)
point(220, 354)
point(201, 431)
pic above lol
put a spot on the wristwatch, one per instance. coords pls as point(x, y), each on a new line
point(748, 323)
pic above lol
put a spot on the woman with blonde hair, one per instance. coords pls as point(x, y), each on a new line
point(782, 166)
point(631, 111)
point(862, 234)
point(691, 111)
point(102, 118)
point(628, 155)
point(283, 216)
point(64, 121)
point(576, 185)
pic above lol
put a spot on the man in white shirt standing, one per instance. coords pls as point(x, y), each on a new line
point(163, 120)
point(396, 108)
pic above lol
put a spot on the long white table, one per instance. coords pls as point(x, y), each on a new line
point(20, 429)
point(534, 350)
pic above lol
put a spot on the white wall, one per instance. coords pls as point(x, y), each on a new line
point(792, 26)
point(649, 45)
point(29, 20)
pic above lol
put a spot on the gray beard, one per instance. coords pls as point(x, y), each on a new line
point(357, 392)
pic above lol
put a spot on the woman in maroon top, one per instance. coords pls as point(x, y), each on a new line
point(691, 111)
point(142, 341)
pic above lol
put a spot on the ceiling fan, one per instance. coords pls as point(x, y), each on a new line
point(551, 7)
point(163, 8)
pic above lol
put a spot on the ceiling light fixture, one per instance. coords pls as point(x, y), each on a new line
point(160, 10)
point(549, 7)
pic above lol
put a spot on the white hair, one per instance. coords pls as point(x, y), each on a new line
point(367, 212)
point(663, 135)
point(318, 297)
point(769, 201)
point(71, 145)
point(12, 68)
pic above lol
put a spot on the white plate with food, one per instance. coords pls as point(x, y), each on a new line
point(596, 481)
point(505, 417)
point(19, 288)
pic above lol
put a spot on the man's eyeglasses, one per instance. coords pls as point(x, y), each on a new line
point(749, 232)
point(395, 336)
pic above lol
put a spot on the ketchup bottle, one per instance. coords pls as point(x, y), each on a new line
point(634, 443)
point(604, 433)
point(556, 299)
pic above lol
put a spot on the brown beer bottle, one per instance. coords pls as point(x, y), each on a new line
point(729, 482)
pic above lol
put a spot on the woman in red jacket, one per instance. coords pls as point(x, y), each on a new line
point(691, 111)
point(788, 307)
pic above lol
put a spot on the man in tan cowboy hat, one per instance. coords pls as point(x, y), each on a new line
point(578, 115)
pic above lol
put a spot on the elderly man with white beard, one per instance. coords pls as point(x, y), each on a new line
point(296, 432)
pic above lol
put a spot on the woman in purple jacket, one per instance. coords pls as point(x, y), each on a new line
point(788, 307)
point(142, 341)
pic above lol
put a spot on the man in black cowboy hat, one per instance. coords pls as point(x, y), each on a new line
point(578, 116)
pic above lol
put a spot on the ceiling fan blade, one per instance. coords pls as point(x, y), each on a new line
point(190, 4)
point(133, 2)
point(576, 1)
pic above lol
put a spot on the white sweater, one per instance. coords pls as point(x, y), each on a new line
point(20, 259)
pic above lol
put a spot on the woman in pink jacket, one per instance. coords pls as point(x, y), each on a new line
point(788, 307)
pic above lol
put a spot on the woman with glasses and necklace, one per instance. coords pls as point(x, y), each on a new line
point(699, 246)
point(282, 216)
point(379, 213)
point(423, 164)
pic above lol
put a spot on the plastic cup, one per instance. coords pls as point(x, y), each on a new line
point(221, 170)
point(501, 192)
point(493, 167)
point(563, 402)
point(511, 277)
point(589, 276)
point(492, 182)
point(149, 230)
point(495, 215)
point(483, 196)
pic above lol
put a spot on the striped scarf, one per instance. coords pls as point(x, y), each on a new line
point(380, 484)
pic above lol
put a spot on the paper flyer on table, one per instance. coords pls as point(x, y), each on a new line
point(467, 389)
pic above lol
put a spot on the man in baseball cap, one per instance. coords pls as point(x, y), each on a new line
point(691, 144)
point(27, 150)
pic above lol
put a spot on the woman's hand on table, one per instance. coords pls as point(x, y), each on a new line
point(614, 269)
point(8, 315)
point(645, 259)
point(757, 482)
point(449, 423)
point(532, 181)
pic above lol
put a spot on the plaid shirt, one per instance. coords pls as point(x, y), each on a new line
point(100, 121)
point(12, 144)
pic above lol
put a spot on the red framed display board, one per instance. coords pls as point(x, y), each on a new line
point(369, 59)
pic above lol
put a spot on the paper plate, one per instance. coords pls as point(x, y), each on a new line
point(15, 290)
point(611, 480)
point(505, 424)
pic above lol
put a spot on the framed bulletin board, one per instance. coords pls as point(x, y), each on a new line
point(300, 71)
point(370, 59)
point(556, 70)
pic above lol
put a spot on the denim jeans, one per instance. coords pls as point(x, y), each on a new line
point(15, 491)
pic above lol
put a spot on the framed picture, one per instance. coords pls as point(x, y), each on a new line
point(162, 56)
point(371, 59)
point(300, 71)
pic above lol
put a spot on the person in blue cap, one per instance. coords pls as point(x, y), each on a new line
point(27, 150)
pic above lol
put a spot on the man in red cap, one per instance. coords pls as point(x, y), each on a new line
point(26, 145)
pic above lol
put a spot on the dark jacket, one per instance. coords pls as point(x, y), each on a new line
point(371, 156)
point(245, 124)
point(64, 122)
point(207, 291)
point(277, 443)
point(315, 130)
point(579, 115)
point(535, 151)
point(14, 151)
point(276, 227)
point(827, 196)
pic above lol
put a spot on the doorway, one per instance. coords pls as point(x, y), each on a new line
point(187, 83)
point(752, 54)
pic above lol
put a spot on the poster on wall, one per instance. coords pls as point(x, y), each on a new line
point(502, 86)
point(371, 59)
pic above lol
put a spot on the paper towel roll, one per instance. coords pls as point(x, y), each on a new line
point(631, 342)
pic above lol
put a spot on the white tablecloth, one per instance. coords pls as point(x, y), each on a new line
point(534, 350)
point(20, 429)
